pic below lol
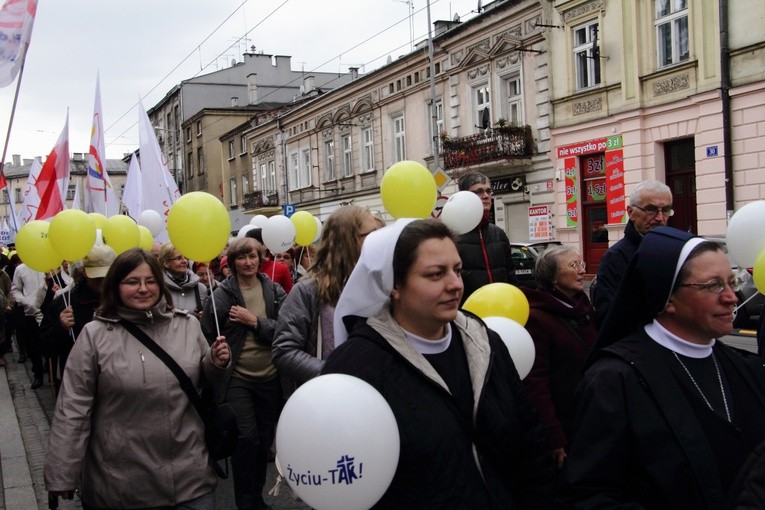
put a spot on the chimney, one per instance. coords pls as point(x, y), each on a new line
point(309, 84)
point(354, 72)
point(252, 88)
point(234, 102)
point(16, 160)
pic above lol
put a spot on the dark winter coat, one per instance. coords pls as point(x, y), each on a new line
point(635, 441)
point(228, 294)
point(611, 270)
point(499, 461)
point(563, 336)
point(485, 242)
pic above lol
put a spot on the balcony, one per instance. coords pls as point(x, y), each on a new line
point(258, 199)
point(507, 142)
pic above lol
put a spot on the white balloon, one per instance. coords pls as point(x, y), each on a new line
point(152, 220)
point(279, 234)
point(319, 227)
point(744, 236)
point(243, 231)
point(337, 442)
point(462, 212)
point(517, 340)
point(259, 220)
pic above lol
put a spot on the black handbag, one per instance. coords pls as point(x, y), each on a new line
point(221, 430)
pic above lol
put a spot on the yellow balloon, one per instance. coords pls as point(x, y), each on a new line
point(98, 218)
point(499, 300)
point(408, 190)
point(198, 226)
point(146, 241)
point(758, 272)
point(72, 234)
point(121, 233)
point(305, 227)
point(34, 248)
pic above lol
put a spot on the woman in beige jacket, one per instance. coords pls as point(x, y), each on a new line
point(124, 433)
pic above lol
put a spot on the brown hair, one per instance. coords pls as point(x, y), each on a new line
point(338, 251)
point(241, 246)
point(123, 265)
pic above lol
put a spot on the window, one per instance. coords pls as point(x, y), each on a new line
point(245, 183)
point(70, 191)
point(435, 134)
point(200, 161)
point(368, 159)
point(190, 165)
point(232, 190)
point(271, 177)
point(4, 196)
point(329, 152)
point(482, 106)
point(399, 139)
point(672, 31)
point(514, 92)
point(17, 196)
point(243, 144)
point(199, 128)
point(347, 156)
point(231, 149)
point(188, 134)
point(586, 55)
point(294, 170)
point(305, 169)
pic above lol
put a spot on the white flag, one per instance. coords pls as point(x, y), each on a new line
point(31, 201)
point(99, 195)
point(76, 199)
point(132, 196)
point(5, 234)
point(159, 187)
point(16, 20)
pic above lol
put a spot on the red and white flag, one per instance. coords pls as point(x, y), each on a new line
point(99, 193)
point(53, 182)
point(16, 20)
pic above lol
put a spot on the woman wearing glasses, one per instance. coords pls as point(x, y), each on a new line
point(666, 413)
point(562, 326)
point(184, 285)
point(124, 432)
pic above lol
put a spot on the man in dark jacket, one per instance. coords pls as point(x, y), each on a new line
point(650, 207)
point(485, 250)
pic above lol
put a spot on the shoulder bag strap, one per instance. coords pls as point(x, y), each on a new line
point(183, 379)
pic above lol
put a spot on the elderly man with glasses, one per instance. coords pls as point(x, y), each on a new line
point(485, 250)
point(650, 206)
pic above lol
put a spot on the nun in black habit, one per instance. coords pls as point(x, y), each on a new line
point(666, 414)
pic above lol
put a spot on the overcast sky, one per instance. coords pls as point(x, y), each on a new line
point(142, 48)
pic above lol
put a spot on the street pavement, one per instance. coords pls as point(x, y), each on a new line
point(24, 431)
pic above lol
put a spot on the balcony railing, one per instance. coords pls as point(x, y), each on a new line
point(260, 198)
point(494, 144)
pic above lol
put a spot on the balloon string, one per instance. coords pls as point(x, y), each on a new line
point(747, 300)
point(59, 280)
point(212, 298)
point(273, 270)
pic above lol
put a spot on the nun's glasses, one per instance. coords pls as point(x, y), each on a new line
point(716, 285)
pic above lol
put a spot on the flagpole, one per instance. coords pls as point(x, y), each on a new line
point(8, 132)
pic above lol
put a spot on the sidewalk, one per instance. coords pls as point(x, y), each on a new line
point(24, 431)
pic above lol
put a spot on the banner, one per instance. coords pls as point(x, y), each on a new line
point(16, 20)
point(99, 192)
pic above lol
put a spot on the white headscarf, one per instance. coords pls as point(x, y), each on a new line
point(371, 282)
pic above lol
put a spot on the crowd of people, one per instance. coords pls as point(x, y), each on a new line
point(632, 401)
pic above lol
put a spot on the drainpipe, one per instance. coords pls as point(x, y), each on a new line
point(725, 93)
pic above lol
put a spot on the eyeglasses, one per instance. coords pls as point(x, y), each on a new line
point(177, 258)
point(482, 191)
point(578, 265)
point(716, 285)
point(136, 283)
point(652, 210)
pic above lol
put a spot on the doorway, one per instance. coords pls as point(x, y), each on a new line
point(680, 163)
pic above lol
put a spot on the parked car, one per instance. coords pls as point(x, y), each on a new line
point(525, 256)
point(750, 300)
